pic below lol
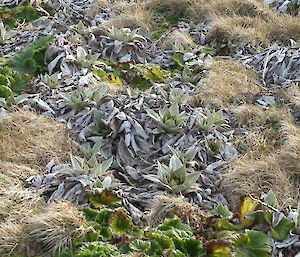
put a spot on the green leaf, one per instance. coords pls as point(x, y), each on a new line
point(190, 154)
point(175, 163)
point(106, 232)
point(178, 59)
point(140, 82)
point(281, 231)
point(209, 51)
point(140, 246)
point(223, 224)
point(120, 222)
point(177, 253)
point(105, 165)
point(153, 114)
point(106, 197)
point(223, 211)
point(31, 60)
point(252, 244)
point(160, 242)
point(96, 249)
point(271, 199)
point(90, 236)
point(173, 224)
point(192, 178)
point(89, 213)
point(191, 247)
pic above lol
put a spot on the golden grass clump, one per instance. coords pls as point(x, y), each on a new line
point(55, 227)
point(279, 170)
point(250, 29)
point(170, 206)
point(255, 116)
point(253, 177)
point(282, 28)
point(203, 9)
point(16, 202)
point(132, 15)
point(175, 7)
point(235, 20)
point(228, 82)
point(97, 6)
point(177, 38)
point(255, 30)
point(12, 238)
point(13, 174)
point(289, 154)
point(257, 144)
point(31, 139)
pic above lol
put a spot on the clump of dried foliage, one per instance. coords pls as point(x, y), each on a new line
point(33, 140)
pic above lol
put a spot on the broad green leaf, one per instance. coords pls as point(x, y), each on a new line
point(223, 224)
point(140, 246)
point(192, 178)
point(120, 222)
point(223, 211)
point(282, 228)
point(252, 244)
point(153, 114)
point(106, 197)
point(175, 223)
point(175, 163)
point(271, 199)
point(191, 247)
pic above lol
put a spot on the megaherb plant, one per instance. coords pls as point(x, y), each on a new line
point(84, 59)
point(82, 97)
point(12, 16)
point(18, 71)
point(73, 182)
point(99, 127)
point(210, 120)
point(31, 61)
point(175, 178)
point(10, 82)
point(169, 119)
point(123, 45)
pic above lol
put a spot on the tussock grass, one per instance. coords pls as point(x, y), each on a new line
point(257, 144)
point(55, 227)
point(132, 15)
point(178, 38)
point(228, 82)
point(170, 206)
point(12, 238)
point(249, 176)
point(277, 170)
point(33, 140)
point(15, 202)
point(246, 21)
point(251, 29)
point(97, 6)
point(13, 174)
point(257, 117)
